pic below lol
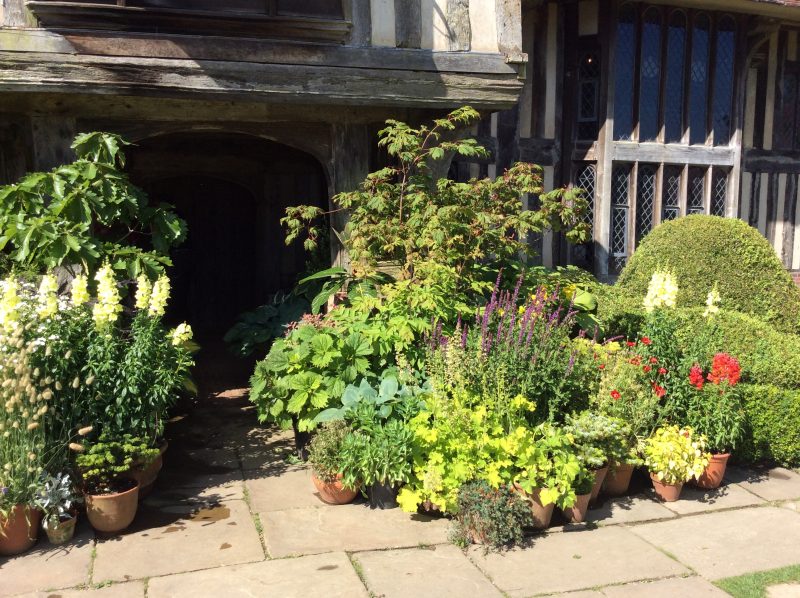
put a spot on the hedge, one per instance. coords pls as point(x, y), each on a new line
point(773, 425)
point(703, 250)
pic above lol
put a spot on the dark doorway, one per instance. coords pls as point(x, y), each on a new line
point(232, 190)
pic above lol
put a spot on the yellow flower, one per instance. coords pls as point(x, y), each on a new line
point(160, 296)
point(9, 303)
point(661, 292)
point(108, 306)
point(80, 290)
point(712, 302)
point(181, 334)
point(47, 301)
point(144, 289)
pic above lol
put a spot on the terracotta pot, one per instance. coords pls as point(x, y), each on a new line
point(146, 476)
point(599, 476)
point(541, 514)
point(60, 532)
point(577, 512)
point(112, 512)
point(19, 531)
point(666, 492)
point(334, 493)
point(618, 479)
point(715, 471)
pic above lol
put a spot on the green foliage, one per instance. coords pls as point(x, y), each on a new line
point(57, 497)
point(380, 454)
point(255, 330)
point(756, 585)
point(86, 213)
point(620, 311)
point(599, 439)
point(107, 461)
point(707, 250)
point(491, 516)
point(325, 450)
point(773, 421)
point(675, 455)
point(364, 405)
point(717, 412)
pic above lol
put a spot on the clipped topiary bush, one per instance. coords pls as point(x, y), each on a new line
point(620, 312)
point(774, 425)
point(703, 250)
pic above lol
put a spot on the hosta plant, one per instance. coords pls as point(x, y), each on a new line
point(676, 455)
point(366, 403)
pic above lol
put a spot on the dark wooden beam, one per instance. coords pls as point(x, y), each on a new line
point(544, 152)
point(407, 23)
point(759, 160)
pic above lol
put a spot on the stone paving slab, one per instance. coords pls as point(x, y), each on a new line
point(170, 479)
point(792, 506)
point(353, 527)
point(47, 567)
point(131, 589)
point(575, 561)
point(175, 538)
point(628, 509)
point(696, 500)
point(784, 590)
point(218, 490)
point(291, 490)
point(435, 572)
point(675, 587)
point(729, 543)
point(266, 450)
point(770, 484)
point(328, 576)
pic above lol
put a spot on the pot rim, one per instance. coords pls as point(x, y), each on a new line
point(115, 494)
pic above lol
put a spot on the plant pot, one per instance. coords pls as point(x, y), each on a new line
point(618, 479)
point(382, 496)
point(599, 476)
point(334, 493)
point(147, 475)
point(60, 532)
point(19, 531)
point(714, 472)
point(577, 512)
point(112, 513)
point(540, 513)
point(666, 492)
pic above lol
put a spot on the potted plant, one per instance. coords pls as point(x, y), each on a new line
point(545, 467)
point(111, 495)
point(57, 499)
point(599, 440)
point(674, 456)
point(715, 410)
point(379, 458)
point(494, 517)
point(324, 456)
point(583, 484)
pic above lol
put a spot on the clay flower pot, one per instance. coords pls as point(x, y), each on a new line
point(618, 479)
point(146, 476)
point(599, 476)
point(714, 472)
point(58, 531)
point(666, 492)
point(334, 493)
point(19, 531)
point(541, 514)
point(112, 513)
point(577, 512)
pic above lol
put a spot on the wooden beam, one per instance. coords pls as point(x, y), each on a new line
point(459, 30)
point(757, 160)
point(544, 152)
point(408, 23)
point(628, 151)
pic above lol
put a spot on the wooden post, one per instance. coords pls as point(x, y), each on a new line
point(52, 137)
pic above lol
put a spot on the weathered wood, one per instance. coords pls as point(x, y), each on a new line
point(52, 137)
point(195, 47)
point(359, 13)
point(507, 138)
point(459, 31)
point(407, 23)
point(14, 14)
point(509, 29)
point(544, 152)
point(758, 160)
point(629, 151)
point(264, 82)
point(351, 149)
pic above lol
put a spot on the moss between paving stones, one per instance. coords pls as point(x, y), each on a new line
point(754, 585)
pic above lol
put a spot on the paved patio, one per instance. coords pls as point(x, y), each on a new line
point(232, 517)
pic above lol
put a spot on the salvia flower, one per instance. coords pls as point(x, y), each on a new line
point(159, 297)
point(108, 306)
point(47, 299)
point(661, 292)
point(144, 289)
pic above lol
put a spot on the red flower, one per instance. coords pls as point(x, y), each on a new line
point(602, 366)
point(647, 369)
point(615, 395)
point(646, 341)
point(696, 376)
point(725, 368)
point(653, 360)
point(630, 344)
point(662, 371)
point(636, 361)
point(659, 390)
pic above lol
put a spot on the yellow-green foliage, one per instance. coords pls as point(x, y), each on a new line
point(674, 455)
point(703, 250)
point(774, 424)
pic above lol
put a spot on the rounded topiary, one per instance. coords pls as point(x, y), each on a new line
point(703, 250)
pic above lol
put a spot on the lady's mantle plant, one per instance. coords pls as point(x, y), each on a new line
point(676, 455)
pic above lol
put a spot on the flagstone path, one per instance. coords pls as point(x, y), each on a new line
point(232, 517)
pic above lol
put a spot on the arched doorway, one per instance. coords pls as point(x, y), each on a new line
point(232, 189)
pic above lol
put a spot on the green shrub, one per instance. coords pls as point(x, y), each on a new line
point(489, 516)
point(774, 424)
point(703, 250)
point(620, 311)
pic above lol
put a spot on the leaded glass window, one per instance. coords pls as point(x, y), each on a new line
point(650, 71)
point(645, 199)
point(697, 185)
point(698, 87)
point(719, 192)
point(586, 180)
point(674, 94)
point(588, 96)
point(671, 193)
point(723, 81)
point(624, 73)
point(620, 206)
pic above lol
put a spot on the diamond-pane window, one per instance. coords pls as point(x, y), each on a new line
point(586, 180)
point(650, 71)
point(723, 81)
point(624, 73)
point(674, 93)
point(645, 199)
point(588, 96)
point(719, 192)
point(671, 193)
point(698, 88)
point(697, 183)
point(620, 199)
